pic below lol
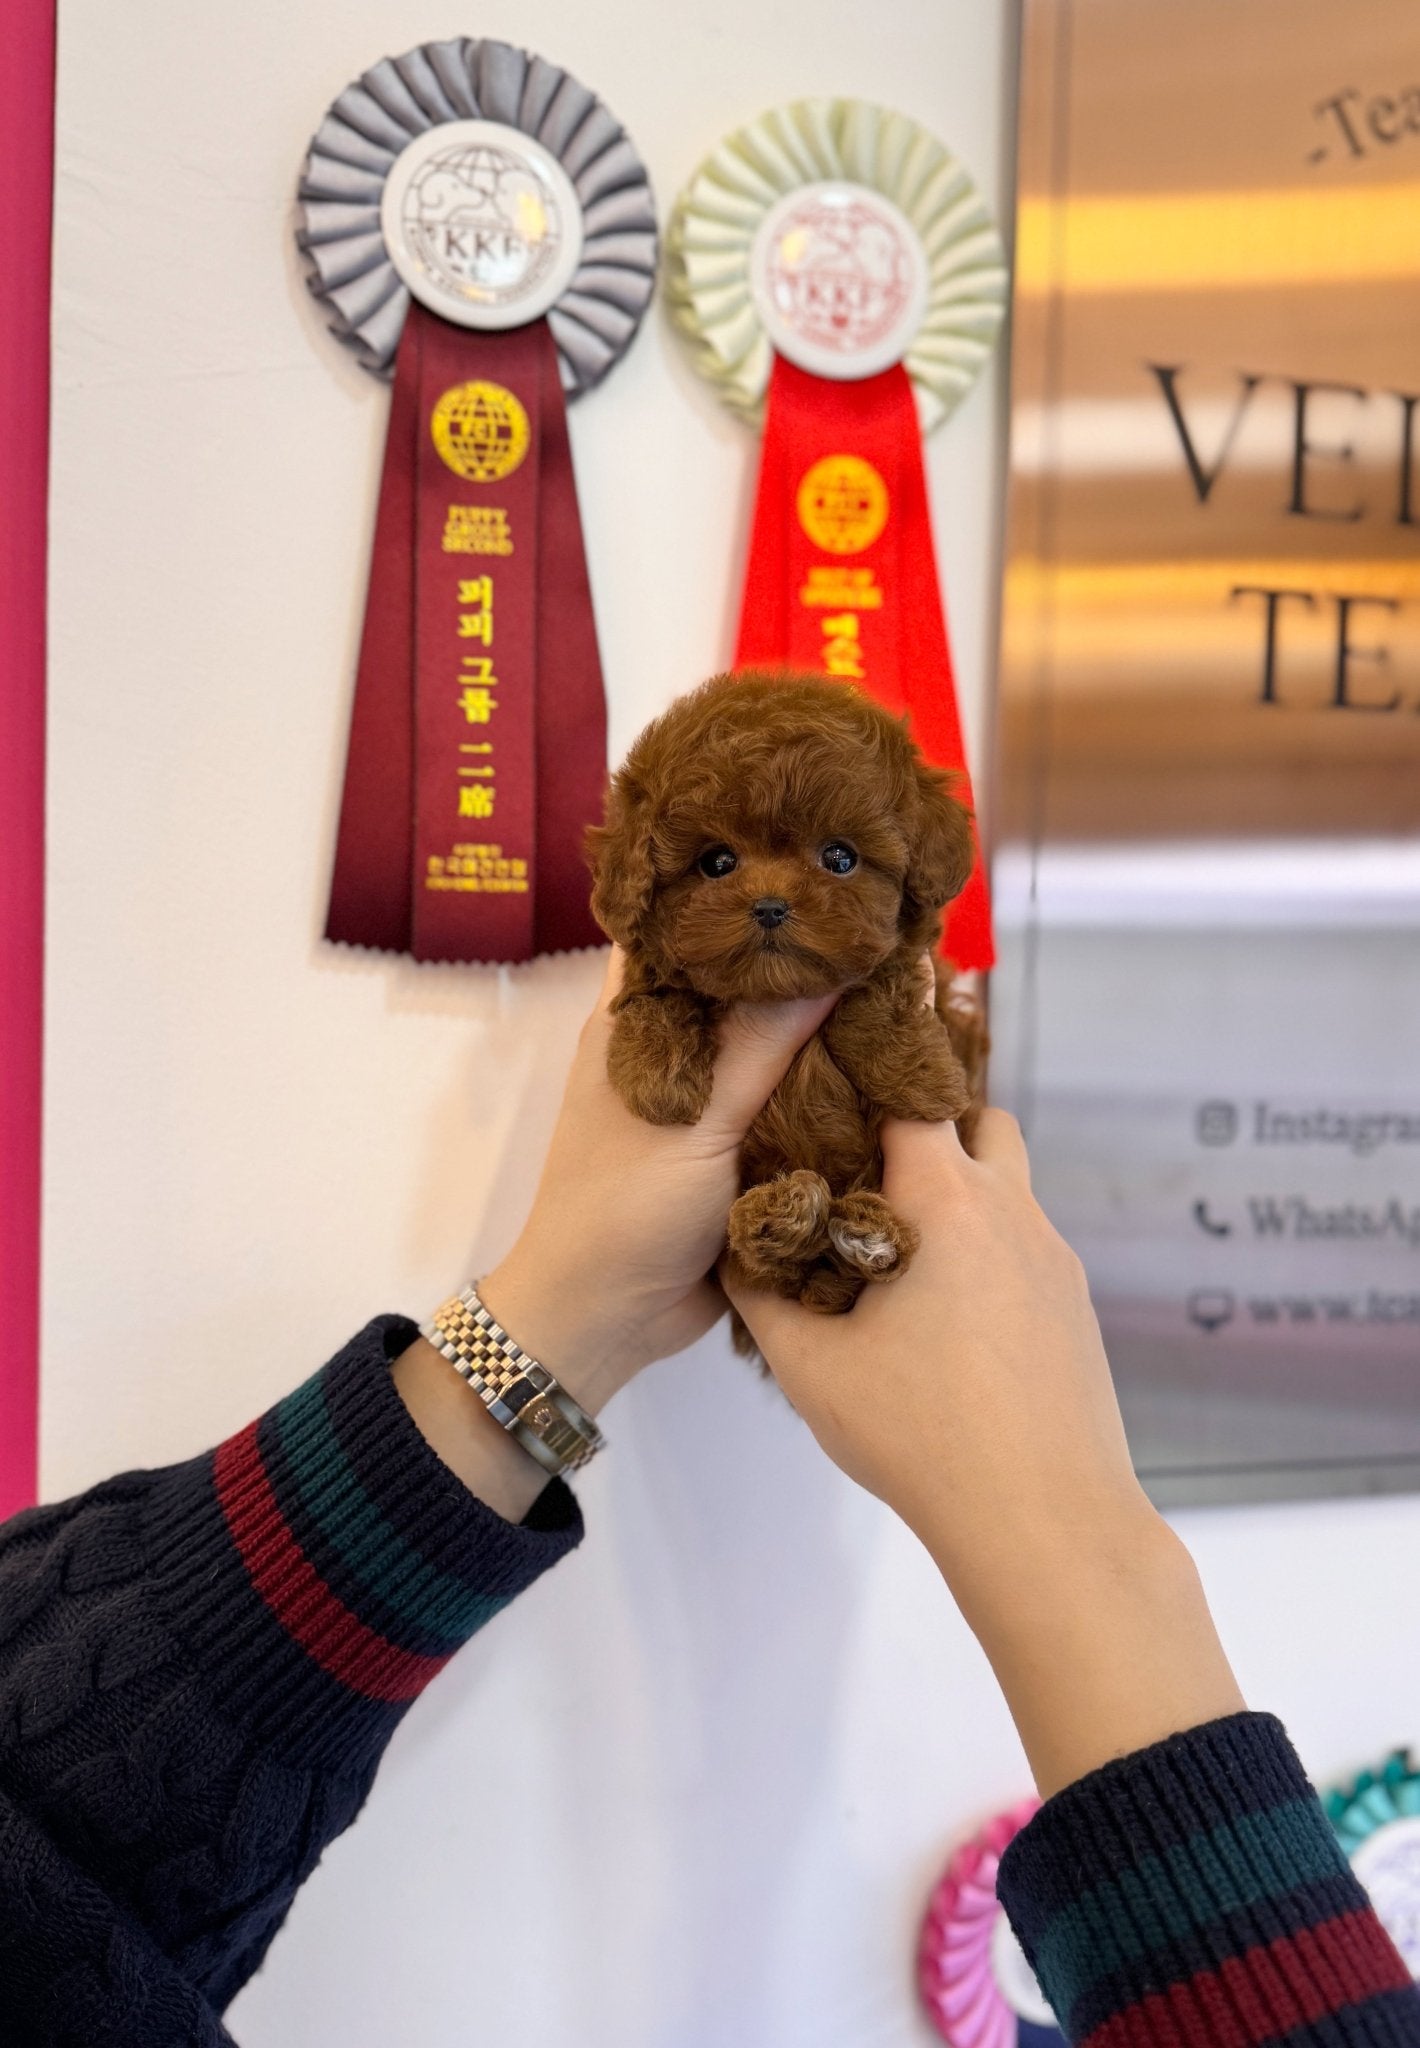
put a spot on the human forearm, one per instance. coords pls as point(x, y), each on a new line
point(988, 1421)
point(1100, 1638)
point(460, 1431)
point(1180, 1884)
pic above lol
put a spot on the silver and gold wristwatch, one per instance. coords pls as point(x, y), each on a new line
point(518, 1392)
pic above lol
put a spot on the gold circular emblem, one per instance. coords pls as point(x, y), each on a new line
point(481, 431)
point(842, 504)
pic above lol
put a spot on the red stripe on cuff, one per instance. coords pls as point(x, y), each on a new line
point(295, 1592)
point(1266, 1992)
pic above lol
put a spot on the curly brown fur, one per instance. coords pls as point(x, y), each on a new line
point(771, 772)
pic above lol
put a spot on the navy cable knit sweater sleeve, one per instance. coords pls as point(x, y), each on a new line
point(199, 1670)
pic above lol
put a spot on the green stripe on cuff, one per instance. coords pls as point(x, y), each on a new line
point(330, 1491)
point(1168, 1897)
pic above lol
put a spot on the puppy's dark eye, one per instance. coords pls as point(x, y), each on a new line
point(838, 857)
point(717, 861)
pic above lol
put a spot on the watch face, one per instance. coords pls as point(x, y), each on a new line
point(482, 224)
point(839, 278)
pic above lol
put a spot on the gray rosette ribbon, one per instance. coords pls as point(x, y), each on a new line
point(470, 78)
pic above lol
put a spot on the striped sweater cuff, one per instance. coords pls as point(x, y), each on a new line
point(323, 1564)
point(1195, 1894)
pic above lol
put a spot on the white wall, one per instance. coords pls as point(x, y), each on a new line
point(754, 1724)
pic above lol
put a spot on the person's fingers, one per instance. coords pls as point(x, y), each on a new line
point(997, 1141)
point(613, 978)
point(757, 1043)
point(773, 1322)
point(917, 1156)
point(589, 1059)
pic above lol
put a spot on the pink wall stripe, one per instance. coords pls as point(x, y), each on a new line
point(26, 179)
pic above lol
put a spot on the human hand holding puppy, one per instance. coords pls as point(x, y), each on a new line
point(975, 1399)
point(767, 1013)
point(610, 1269)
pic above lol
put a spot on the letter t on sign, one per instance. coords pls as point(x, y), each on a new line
point(1274, 600)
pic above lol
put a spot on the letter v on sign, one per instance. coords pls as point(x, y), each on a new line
point(1203, 479)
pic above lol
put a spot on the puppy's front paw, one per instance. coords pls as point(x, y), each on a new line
point(776, 1228)
point(942, 1092)
point(923, 1079)
point(869, 1239)
point(661, 1059)
point(670, 1096)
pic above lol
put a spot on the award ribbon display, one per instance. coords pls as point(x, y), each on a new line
point(975, 1983)
point(837, 273)
point(475, 219)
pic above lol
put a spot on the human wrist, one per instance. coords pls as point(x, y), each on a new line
point(558, 1327)
point(573, 1327)
point(1064, 1568)
point(464, 1436)
point(1102, 1641)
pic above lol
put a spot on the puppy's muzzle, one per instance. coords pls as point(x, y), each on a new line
point(769, 912)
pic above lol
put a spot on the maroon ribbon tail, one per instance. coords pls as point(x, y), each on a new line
point(477, 753)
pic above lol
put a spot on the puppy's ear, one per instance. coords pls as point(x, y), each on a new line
point(941, 852)
point(623, 877)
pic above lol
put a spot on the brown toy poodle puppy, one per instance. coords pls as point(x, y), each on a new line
point(778, 837)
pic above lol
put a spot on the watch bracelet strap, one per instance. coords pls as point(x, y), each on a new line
point(517, 1390)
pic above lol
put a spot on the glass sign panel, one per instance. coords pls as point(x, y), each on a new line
point(1208, 808)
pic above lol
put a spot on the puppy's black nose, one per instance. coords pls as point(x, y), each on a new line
point(770, 911)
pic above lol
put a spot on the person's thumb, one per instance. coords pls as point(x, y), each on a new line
point(757, 1044)
point(775, 1324)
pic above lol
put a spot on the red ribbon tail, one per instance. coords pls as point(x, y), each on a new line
point(841, 579)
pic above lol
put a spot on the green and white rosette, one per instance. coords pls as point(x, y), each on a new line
point(1377, 1821)
point(845, 236)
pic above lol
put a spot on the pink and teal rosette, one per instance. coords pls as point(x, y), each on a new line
point(975, 1983)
